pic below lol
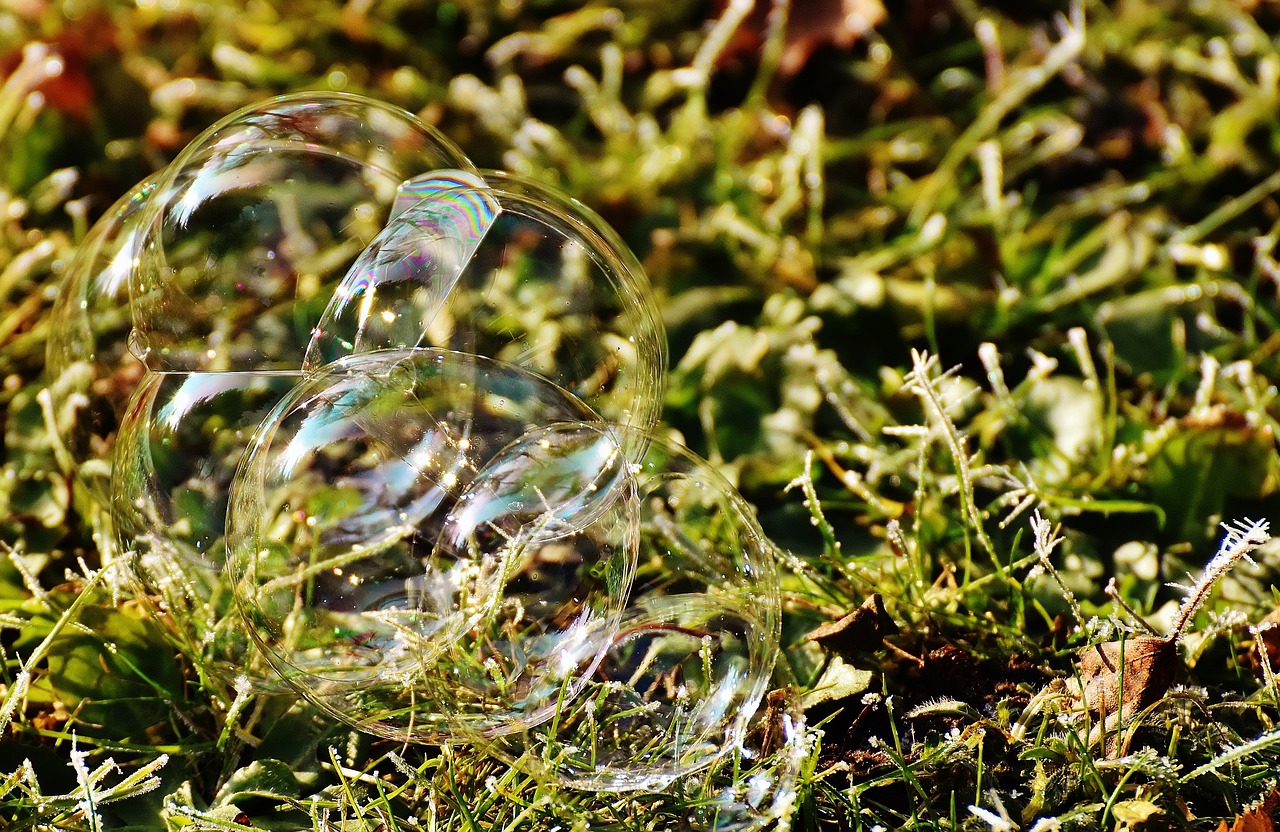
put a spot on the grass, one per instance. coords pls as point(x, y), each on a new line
point(977, 307)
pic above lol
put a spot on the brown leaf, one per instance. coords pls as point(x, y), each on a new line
point(858, 633)
point(1258, 817)
point(1138, 669)
point(1269, 636)
point(772, 726)
point(811, 25)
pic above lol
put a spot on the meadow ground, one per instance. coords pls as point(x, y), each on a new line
point(976, 304)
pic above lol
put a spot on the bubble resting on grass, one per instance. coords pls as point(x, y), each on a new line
point(217, 265)
point(416, 401)
point(399, 568)
point(432, 545)
point(685, 669)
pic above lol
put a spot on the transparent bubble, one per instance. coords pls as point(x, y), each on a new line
point(695, 647)
point(255, 222)
point(180, 441)
point(510, 269)
point(754, 786)
point(376, 425)
point(91, 372)
point(402, 574)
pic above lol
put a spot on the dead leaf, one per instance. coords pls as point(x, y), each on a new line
point(1269, 636)
point(811, 25)
point(1257, 817)
point(773, 727)
point(858, 633)
point(1137, 670)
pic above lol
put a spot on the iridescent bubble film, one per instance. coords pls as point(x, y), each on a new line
point(508, 269)
point(375, 426)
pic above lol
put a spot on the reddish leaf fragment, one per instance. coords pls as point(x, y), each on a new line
point(1132, 673)
point(71, 90)
point(811, 25)
point(1268, 640)
point(1258, 817)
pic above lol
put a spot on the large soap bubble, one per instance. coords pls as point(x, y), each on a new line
point(377, 425)
point(254, 223)
point(384, 565)
point(506, 268)
point(91, 372)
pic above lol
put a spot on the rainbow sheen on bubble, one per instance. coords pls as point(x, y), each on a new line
point(399, 284)
point(513, 271)
point(477, 214)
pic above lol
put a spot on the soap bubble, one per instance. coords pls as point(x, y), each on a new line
point(404, 578)
point(507, 268)
point(695, 647)
point(374, 424)
point(253, 224)
point(91, 372)
point(179, 443)
point(754, 786)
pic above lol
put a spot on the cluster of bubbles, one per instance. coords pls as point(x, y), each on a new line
point(375, 425)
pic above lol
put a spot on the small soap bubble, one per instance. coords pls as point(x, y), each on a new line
point(505, 267)
point(693, 652)
point(417, 600)
point(252, 225)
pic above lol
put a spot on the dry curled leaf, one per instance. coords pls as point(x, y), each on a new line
point(1129, 674)
point(858, 633)
point(773, 727)
point(1257, 817)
